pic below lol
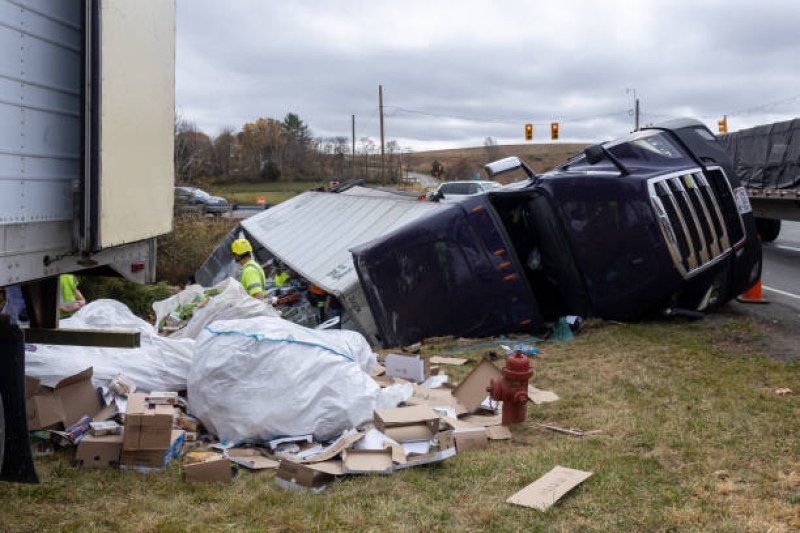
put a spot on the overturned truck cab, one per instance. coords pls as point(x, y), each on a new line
point(654, 222)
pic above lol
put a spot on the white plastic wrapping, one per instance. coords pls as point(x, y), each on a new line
point(265, 377)
point(160, 363)
point(232, 303)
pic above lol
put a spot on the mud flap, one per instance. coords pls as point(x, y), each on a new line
point(16, 459)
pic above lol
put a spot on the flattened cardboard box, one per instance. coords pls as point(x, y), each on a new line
point(154, 459)
point(214, 470)
point(418, 422)
point(72, 398)
point(147, 427)
point(548, 489)
point(99, 452)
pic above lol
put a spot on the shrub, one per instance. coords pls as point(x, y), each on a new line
point(192, 240)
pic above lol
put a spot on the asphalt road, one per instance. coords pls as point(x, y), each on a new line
point(781, 271)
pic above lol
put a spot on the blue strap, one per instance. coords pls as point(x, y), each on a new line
point(260, 338)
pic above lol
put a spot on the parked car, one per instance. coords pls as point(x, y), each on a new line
point(192, 199)
point(458, 190)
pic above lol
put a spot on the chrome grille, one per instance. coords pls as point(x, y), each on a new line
point(688, 212)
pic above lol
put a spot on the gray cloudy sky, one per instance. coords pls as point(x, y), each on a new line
point(455, 72)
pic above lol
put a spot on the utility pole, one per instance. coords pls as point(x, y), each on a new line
point(380, 105)
point(353, 162)
point(635, 109)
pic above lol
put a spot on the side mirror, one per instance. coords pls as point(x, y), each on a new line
point(506, 165)
point(594, 154)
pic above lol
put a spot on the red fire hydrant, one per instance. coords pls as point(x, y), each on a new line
point(512, 390)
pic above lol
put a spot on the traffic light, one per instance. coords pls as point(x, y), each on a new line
point(528, 132)
point(554, 131)
point(723, 125)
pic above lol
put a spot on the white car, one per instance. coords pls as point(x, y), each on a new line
point(458, 190)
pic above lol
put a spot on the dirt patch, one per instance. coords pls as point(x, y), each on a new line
point(768, 330)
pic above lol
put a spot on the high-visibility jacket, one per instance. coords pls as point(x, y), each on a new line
point(281, 279)
point(68, 284)
point(253, 278)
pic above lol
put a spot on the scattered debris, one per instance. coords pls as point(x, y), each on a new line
point(437, 360)
point(572, 431)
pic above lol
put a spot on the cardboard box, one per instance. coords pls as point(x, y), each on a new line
point(217, 469)
point(549, 488)
point(99, 452)
point(418, 422)
point(72, 398)
point(303, 475)
point(147, 427)
point(472, 390)
point(470, 439)
point(367, 461)
point(411, 367)
point(446, 450)
point(152, 460)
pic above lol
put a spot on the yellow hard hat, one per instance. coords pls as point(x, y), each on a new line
point(241, 247)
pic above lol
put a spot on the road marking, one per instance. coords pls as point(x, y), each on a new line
point(789, 294)
point(782, 247)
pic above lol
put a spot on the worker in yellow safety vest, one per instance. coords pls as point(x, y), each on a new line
point(71, 298)
point(253, 279)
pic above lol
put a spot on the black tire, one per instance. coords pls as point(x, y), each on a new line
point(768, 228)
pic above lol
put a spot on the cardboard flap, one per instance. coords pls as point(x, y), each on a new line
point(472, 390)
point(547, 490)
point(75, 378)
point(32, 386)
point(401, 416)
point(411, 432)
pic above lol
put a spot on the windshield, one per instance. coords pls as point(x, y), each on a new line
point(649, 147)
point(202, 194)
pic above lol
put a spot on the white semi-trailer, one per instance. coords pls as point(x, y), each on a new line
point(86, 162)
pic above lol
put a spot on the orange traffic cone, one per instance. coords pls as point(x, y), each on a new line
point(753, 295)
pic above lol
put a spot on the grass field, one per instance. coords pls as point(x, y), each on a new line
point(273, 192)
point(694, 438)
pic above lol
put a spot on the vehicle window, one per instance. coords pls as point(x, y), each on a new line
point(446, 188)
point(491, 185)
point(651, 148)
point(472, 188)
point(201, 194)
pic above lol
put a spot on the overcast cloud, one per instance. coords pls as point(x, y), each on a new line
point(455, 72)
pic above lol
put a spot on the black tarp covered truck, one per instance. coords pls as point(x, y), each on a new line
point(86, 165)
point(767, 160)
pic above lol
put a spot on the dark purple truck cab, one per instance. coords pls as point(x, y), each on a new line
point(656, 221)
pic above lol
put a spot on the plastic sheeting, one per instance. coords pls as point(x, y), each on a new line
point(265, 377)
point(159, 364)
point(232, 303)
point(766, 157)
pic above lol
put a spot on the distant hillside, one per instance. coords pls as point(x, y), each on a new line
point(461, 163)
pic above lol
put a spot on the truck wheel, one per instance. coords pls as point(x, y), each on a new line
point(768, 228)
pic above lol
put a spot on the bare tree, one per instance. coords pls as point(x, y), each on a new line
point(192, 156)
point(491, 148)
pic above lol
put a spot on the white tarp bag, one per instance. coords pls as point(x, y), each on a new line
point(232, 303)
point(264, 377)
point(159, 364)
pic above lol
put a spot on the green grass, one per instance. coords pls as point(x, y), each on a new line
point(694, 439)
point(273, 192)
